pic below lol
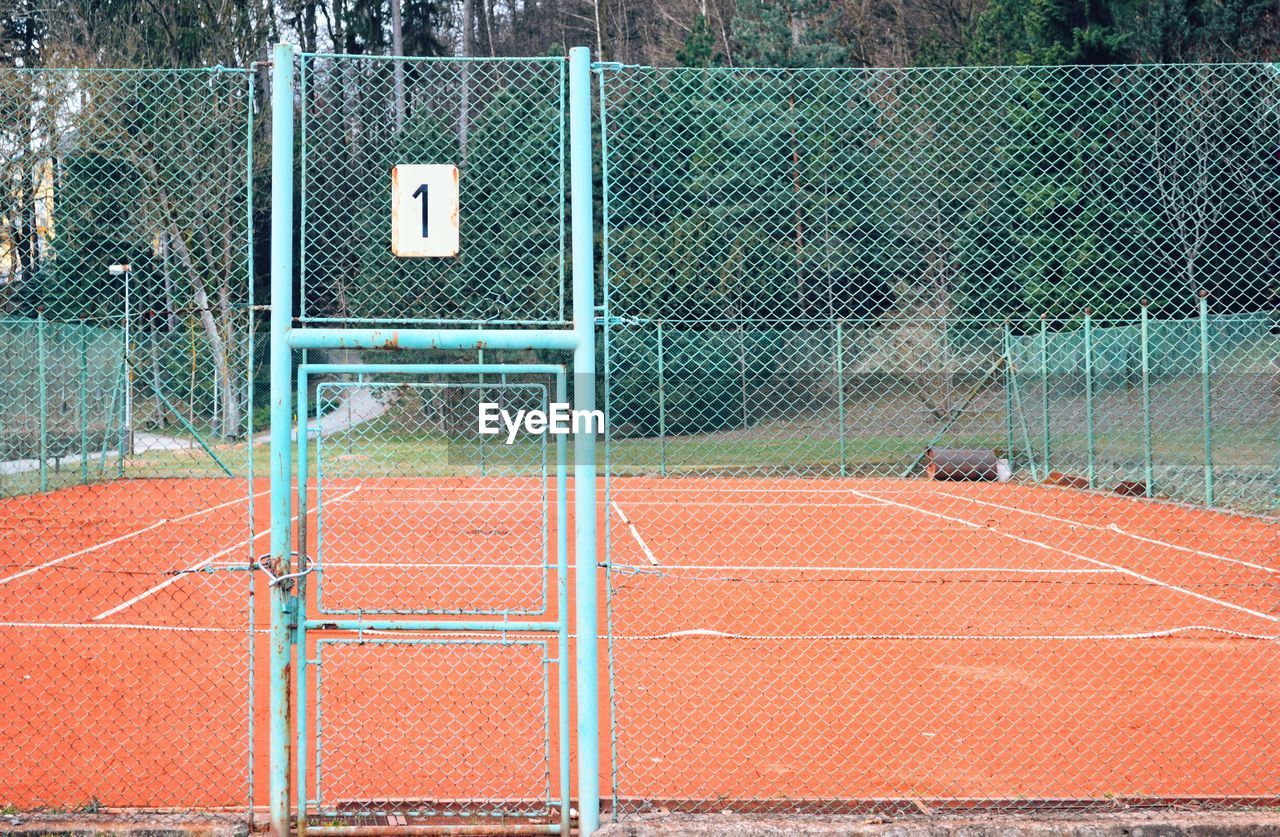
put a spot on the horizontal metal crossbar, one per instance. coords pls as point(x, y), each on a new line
point(430, 338)
point(430, 368)
point(427, 625)
point(433, 829)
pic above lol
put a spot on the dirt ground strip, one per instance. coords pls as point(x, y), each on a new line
point(1253, 823)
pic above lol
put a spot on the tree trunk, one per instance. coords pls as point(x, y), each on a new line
point(397, 49)
point(464, 108)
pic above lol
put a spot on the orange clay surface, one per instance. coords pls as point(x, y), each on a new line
point(785, 640)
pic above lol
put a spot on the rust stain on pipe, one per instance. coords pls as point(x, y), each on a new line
point(472, 829)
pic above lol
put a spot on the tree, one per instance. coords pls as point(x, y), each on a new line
point(1174, 31)
point(699, 48)
point(1047, 32)
point(788, 33)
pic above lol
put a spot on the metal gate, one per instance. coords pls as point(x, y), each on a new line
point(420, 668)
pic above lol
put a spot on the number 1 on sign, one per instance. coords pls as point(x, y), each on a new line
point(424, 192)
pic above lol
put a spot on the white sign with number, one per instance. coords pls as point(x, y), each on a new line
point(424, 211)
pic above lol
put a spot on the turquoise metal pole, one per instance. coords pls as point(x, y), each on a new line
point(1207, 402)
point(335, 623)
point(584, 462)
point(432, 368)
point(281, 425)
point(300, 602)
point(1044, 391)
point(484, 448)
point(190, 428)
point(1088, 396)
point(844, 455)
point(108, 426)
point(1144, 336)
point(252, 608)
point(562, 611)
point(84, 404)
point(126, 429)
point(662, 407)
point(431, 338)
point(42, 368)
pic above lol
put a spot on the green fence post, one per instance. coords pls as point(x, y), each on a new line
point(1092, 468)
point(1206, 398)
point(742, 370)
point(662, 407)
point(1144, 339)
point(84, 404)
point(281, 656)
point(126, 405)
point(1008, 393)
point(1044, 390)
point(115, 412)
point(844, 457)
point(42, 373)
point(126, 426)
point(1020, 408)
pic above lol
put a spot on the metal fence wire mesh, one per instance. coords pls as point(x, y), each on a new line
point(822, 287)
point(491, 756)
point(126, 344)
point(501, 122)
point(390, 453)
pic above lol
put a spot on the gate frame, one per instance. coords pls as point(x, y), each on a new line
point(301, 623)
point(285, 338)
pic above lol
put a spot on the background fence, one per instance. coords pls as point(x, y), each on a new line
point(128, 632)
point(814, 276)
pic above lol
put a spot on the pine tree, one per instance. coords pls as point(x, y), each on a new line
point(1052, 32)
point(788, 33)
point(698, 49)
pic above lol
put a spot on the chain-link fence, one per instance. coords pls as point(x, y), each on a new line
point(126, 452)
point(944, 421)
point(934, 477)
point(501, 122)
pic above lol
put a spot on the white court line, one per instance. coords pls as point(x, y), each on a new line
point(1114, 528)
point(505, 507)
point(173, 579)
point(116, 626)
point(619, 486)
point(921, 570)
point(697, 632)
point(534, 504)
point(788, 506)
point(127, 536)
point(1160, 633)
point(455, 565)
point(474, 500)
point(419, 565)
point(622, 568)
point(970, 524)
point(635, 533)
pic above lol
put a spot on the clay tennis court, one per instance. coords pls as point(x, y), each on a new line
point(907, 639)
